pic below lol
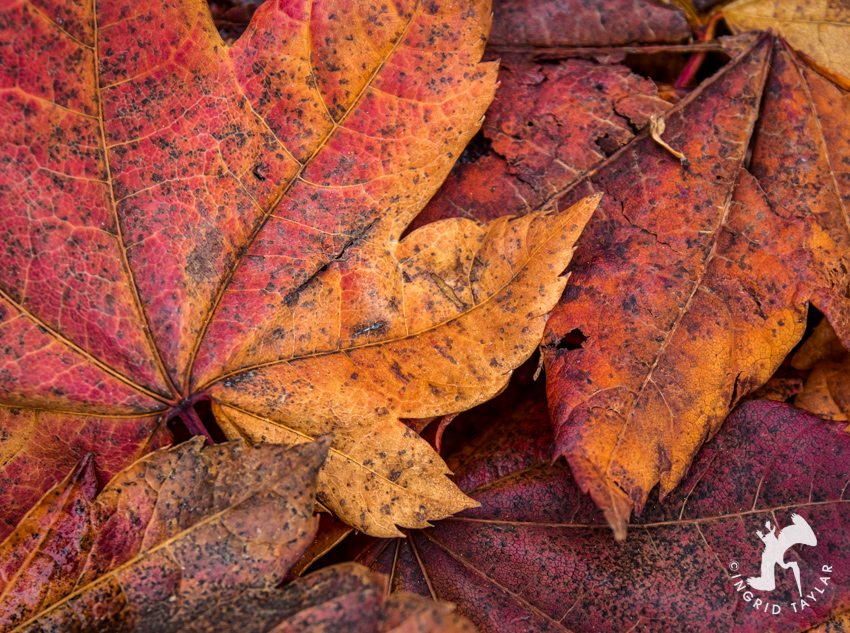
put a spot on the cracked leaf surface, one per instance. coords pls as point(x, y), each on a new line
point(549, 125)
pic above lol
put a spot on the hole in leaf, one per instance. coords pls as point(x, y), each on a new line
point(609, 145)
point(204, 410)
point(665, 67)
point(572, 340)
point(478, 146)
point(178, 430)
point(194, 416)
point(722, 29)
point(231, 17)
point(813, 318)
point(734, 397)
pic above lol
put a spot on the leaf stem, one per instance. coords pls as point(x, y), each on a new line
point(194, 425)
point(695, 62)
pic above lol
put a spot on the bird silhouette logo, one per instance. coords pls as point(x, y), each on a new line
point(775, 547)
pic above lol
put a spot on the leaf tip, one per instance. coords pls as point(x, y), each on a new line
point(320, 448)
point(325, 441)
point(85, 465)
point(468, 503)
point(618, 525)
point(583, 210)
point(595, 198)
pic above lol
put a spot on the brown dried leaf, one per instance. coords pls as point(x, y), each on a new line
point(177, 530)
point(820, 29)
point(345, 598)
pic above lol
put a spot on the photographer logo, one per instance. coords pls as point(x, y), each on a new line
point(776, 545)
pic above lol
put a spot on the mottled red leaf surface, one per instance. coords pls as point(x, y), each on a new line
point(538, 556)
point(346, 598)
point(184, 221)
point(36, 451)
point(586, 23)
point(179, 529)
point(552, 23)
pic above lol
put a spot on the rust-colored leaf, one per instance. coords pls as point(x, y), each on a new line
point(798, 159)
point(184, 221)
point(177, 530)
point(537, 555)
point(706, 273)
point(627, 404)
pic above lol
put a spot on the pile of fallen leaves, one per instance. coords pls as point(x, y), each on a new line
point(288, 229)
